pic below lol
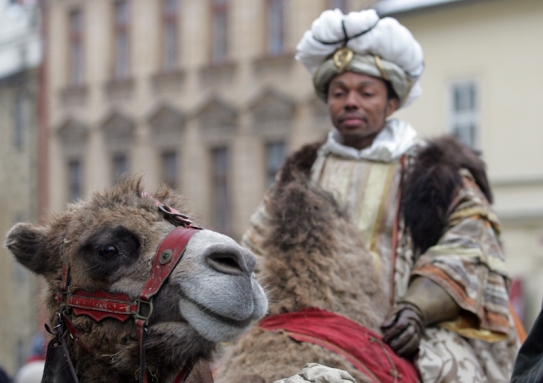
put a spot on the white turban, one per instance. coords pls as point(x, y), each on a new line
point(382, 48)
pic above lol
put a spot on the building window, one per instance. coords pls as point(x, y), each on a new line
point(221, 197)
point(169, 169)
point(219, 30)
point(464, 122)
point(275, 15)
point(76, 47)
point(121, 30)
point(339, 4)
point(75, 180)
point(275, 155)
point(169, 34)
point(120, 166)
point(19, 120)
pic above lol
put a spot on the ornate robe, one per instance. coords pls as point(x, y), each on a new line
point(423, 209)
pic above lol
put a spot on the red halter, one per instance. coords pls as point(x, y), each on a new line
point(101, 304)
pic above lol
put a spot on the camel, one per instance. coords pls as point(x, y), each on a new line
point(313, 258)
point(105, 248)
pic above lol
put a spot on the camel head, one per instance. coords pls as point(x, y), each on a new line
point(109, 242)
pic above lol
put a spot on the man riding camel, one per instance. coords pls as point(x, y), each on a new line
point(422, 208)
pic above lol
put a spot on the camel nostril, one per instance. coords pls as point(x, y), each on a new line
point(225, 263)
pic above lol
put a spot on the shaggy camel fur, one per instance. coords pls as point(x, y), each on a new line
point(314, 259)
point(109, 241)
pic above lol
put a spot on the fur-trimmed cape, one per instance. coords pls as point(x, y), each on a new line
point(430, 184)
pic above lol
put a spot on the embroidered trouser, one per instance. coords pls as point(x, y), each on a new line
point(446, 357)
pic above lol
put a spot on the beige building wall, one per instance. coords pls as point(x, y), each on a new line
point(495, 43)
point(18, 291)
point(248, 83)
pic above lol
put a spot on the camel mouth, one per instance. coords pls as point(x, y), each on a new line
point(210, 324)
point(241, 324)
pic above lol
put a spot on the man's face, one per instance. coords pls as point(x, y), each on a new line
point(359, 107)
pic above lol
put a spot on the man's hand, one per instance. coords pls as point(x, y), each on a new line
point(402, 329)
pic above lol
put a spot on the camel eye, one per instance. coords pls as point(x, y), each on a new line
point(108, 251)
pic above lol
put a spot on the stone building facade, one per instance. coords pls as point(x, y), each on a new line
point(19, 59)
point(205, 95)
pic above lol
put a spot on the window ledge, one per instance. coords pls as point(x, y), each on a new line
point(170, 81)
point(216, 73)
point(220, 65)
point(74, 95)
point(279, 62)
point(119, 88)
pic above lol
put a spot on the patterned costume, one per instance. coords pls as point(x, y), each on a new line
point(381, 194)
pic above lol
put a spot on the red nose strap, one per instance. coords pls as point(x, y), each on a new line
point(168, 255)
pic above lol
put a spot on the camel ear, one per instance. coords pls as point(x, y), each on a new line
point(27, 242)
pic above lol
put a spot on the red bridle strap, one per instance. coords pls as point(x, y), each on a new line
point(100, 304)
point(168, 254)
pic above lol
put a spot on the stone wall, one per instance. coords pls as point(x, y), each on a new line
point(18, 293)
